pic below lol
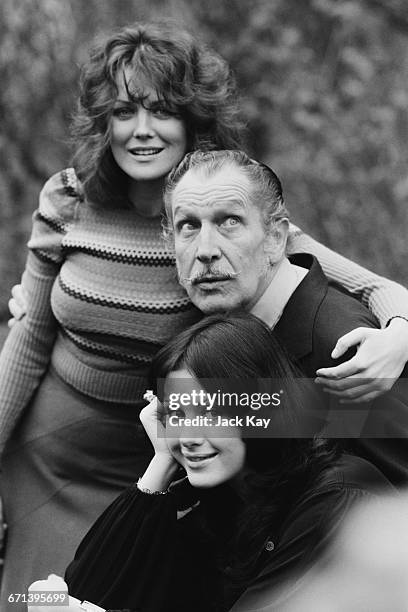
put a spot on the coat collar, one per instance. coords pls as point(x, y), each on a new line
point(295, 327)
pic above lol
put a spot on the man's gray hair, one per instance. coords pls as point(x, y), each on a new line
point(266, 186)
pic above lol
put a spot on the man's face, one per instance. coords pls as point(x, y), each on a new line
point(220, 241)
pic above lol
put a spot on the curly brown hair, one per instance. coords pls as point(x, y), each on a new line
point(187, 77)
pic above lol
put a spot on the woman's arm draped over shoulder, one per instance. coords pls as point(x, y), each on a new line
point(383, 297)
point(27, 350)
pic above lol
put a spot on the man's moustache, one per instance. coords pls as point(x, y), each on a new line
point(209, 275)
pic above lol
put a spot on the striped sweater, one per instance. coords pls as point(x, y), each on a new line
point(103, 297)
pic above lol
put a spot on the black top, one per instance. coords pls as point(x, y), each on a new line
point(315, 317)
point(138, 556)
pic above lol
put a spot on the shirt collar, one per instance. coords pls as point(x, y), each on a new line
point(272, 302)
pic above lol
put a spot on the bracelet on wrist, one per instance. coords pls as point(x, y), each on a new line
point(149, 492)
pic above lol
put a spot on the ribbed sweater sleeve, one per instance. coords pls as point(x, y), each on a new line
point(27, 350)
point(383, 297)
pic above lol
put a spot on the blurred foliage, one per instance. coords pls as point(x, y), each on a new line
point(325, 94)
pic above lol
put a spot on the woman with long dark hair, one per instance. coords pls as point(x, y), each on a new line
point(261, 511)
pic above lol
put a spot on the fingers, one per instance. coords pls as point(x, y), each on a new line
point(343, 384)
point(370, 373)
point(152, 414)
point(356, 336)
point(148, 395)
point(368, 397)
point(17, 312)
point(152, 419)
point(356, 390)
point(149, 411)
point(18, 293)
point(348, 368)
point(355, 394)
point(17, 305)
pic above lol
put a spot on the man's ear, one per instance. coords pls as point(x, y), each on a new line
point(276, 240)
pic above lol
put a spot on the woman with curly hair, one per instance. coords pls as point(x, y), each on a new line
point(102, 295)
point(262, 510)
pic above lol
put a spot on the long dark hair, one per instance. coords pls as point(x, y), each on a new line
point(186, 75)
point(278, 471)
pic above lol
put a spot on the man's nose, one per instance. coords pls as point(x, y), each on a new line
point(208, 249)
point(143, 124)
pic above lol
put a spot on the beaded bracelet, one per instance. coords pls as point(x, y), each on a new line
point(149, 492)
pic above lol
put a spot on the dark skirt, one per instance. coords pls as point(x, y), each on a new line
point(69, 457)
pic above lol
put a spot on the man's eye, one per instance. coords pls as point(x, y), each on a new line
point(231, 221)
point(123, 113)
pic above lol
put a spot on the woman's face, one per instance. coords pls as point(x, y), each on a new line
point(209, 461)
point(147, 141)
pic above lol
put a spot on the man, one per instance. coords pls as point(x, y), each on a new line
point(230, 229)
